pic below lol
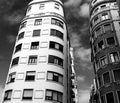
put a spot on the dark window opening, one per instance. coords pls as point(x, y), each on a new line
point(101, 45)
point(21, 35)
point(27, 94)
point(18, 48)
point(117, 75)
point(56, 33)
point(56, 46)
point(52, 76)
point(36, 32)
point(35, 45)
point(55, 60)
point(38, 22)
point(32, 60)
point(23, 25)
point(53, 95)
point(11, 77)
point(15, 61)
point(118, 93)
point(111, 41)
point(8, 95)
point(30, 76)
point(106, 78)
point(110, 98)
point(57, 22)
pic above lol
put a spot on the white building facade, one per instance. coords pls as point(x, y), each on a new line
point(39, 67)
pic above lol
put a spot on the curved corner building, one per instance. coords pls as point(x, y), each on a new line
point(105, 44)
point(39, 67)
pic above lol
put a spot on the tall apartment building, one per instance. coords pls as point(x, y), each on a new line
point(105, 46)
point(40, 70)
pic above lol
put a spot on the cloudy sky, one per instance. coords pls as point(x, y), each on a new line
point(77, 16)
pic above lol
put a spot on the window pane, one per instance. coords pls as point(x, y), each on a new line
point(50, 76)
point(18, 48)
point(30, 75)
point(38, 22)
point(15, 61)
point(107, 27)
point(110, 98)
point(114, 57)
point(56, 33)
point(103, 61)
point(57, 22)
point(106, 78)
point(117, 75)
point(55, 96)
point(21, 35)
point(111, 41)
point(35, 45)
point(7, 95)
point(101, 45)
point(36, 32)
point(28, 94)
point(32, 60)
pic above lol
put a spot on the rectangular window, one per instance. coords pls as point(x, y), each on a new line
point(22, 25)
point(38, 22)
point(117, 75)
point(36, 32)
point(101, 45)
point(110, 98)
point(52, 76)
point(106, 78)
point(30, 76)
point(114, 57)
point(110, 41)
point(103, 60)
point(118, 94)
point(55, 60)
point(105, 16)
point(98, 31)
point(32, 59)
point(107, 27)
point(57, 22)
point(35, 45)
point(21, 35)
point(56, 33)
point(27, 94)
point(11, 77)
point(8, 95)
point(53, 95)
point(15, 61)
point(57, 46)
point(18, 48)
point(96, 20)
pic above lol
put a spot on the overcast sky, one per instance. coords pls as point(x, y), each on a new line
point(77, 16)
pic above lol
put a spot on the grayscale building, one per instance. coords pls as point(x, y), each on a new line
point(105, 46)
point(40, 69)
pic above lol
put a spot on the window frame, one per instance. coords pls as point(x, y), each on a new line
point(33, 61)
point(17, 48)
point(29, 77)
point(11, 77)
point(55, 60)
point(114, 57)
point(16, 60)
point(52, 97)
point(104, 79)
point(114, 75)
point(37, 22)
point(106, 96)
point(8, 92)
point(27, 98)
point(54, 76)
point(33, 46)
